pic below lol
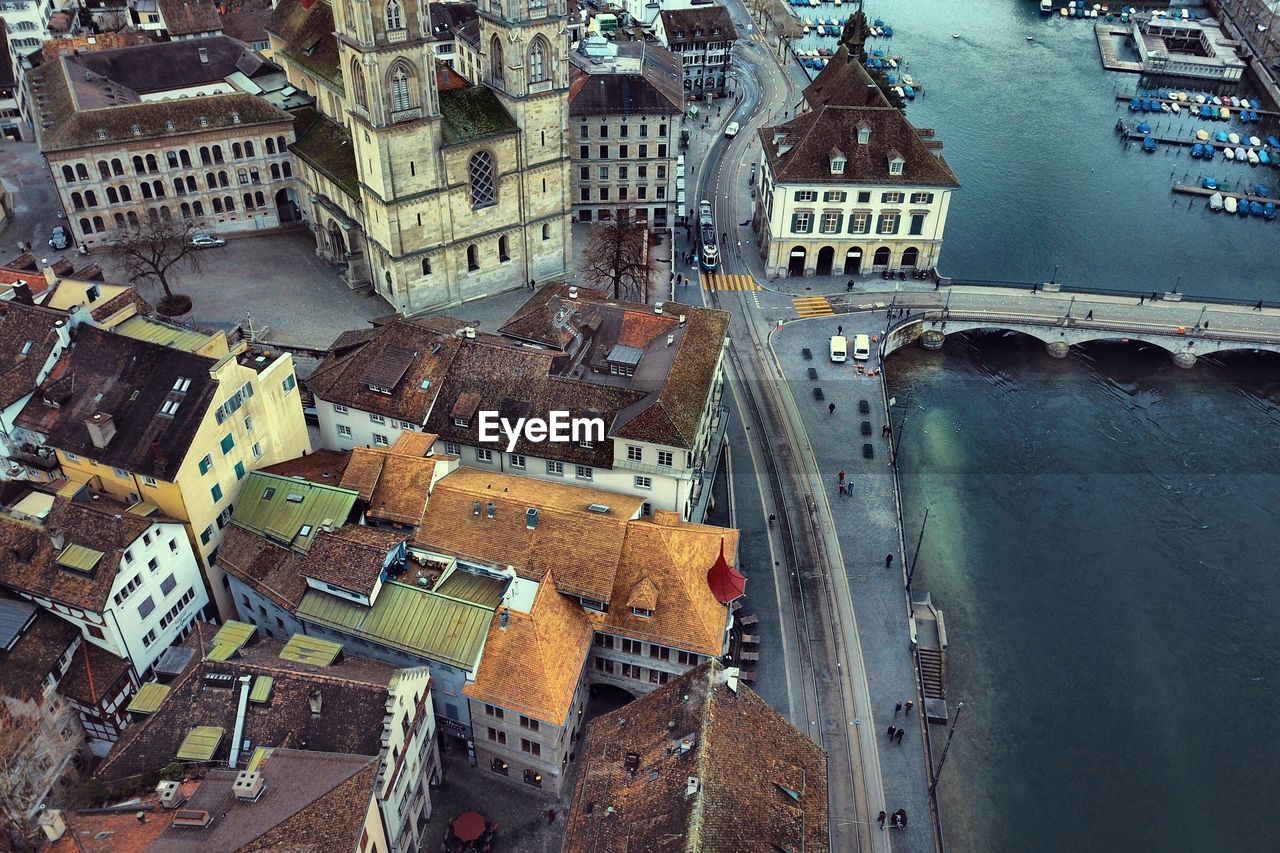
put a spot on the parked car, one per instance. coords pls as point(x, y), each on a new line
point(59, 240)
point(207, 241)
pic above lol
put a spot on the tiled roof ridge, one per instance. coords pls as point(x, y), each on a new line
point(259, 668)
point(698, 816)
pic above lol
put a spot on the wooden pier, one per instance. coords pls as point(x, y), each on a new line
point(1186, 189)
point(1106, 33)
point(1132, 132)
point(1192, 110)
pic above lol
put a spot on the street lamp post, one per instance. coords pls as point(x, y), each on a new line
point(947, 746)
point(1054, 280)
point(1070, 305)
point(911, 571)
point(1177, 283)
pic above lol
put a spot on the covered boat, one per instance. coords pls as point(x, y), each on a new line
point(1255, 142)
point(1273, 141)
point(1253, 157)
point(1229, 153)
point(1260, 189)
point(1242, 208)
point(1148, 144)
point(1229, 203)
point(1233, 138)
point(1255, 208)
point(1209, 182)
point(1215, 202)
point(1224, 113)
point(1240, 155)
point(1202, 135)
point(1221, 136)
point(1269, 210)
point(1197, 151)
point(1144, 128)
point(1264, 158)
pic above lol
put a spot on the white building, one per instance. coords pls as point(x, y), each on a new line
point(848, 186)
point(652, 375)
point(130, 583)
point(29, 23)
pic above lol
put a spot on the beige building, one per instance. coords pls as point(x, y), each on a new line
point(849, 187)
point(625, 106)
point(156, 131)
point(429, 187)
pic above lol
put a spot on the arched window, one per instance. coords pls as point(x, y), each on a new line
point(185, 157)
point(165, 215)
point(217, 205)
point(178, 187)
point(153, 214)
point(77, 201)
point(229, 204)
point(151, 163)
point(139, 167)
point(223, 180)
point(495, 60)
point(426, 266)
point(546, 231)
point(191, 184)
point(133, 219)
point(473, 258)
point(146, 190)
point(68, 175)
point(394, 19)
point(504, 248)
point(287, 169)
point(197, 208)
point(271, 145)
point(248, 149)
point(217, 154)
point(248, 201)
point(242, 175)
point(210, 179)
point(538, 60)
point(275, 172)
point(357, 86)
point(401, 87)
point(157, 187)
point(236, 151)
point(119, 217)
point(103, 169)
point(482, 184)
point(113, 197)
point(90, 199)
point(98, 225)
point(348, 18)
point(117, 168)
point(260, 199)
point(172, 158)
point(81, 172)
point(85, 227)
point(185, 210)
point(205, 159)
point(125, 194)
point(280, 144)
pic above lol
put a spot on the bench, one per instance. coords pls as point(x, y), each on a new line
point(813, 373)
point(751, 656)
point(807, 353)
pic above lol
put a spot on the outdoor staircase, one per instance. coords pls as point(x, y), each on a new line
point(931, 674)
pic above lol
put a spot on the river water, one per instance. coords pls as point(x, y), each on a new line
point(1102, 529)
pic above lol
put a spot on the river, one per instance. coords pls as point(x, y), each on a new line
point(1101, 533)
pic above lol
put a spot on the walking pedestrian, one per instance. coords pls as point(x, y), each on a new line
point(897, 709)
point(831, 408)
point(532, 284)
point(888, 560)
point(842, 489)
point(1089, 316)
point(847, 288)
point(772, 519)
point(885, 431)
point(898, 737)
point(1206, 324)
point(892, 731)
point(842, 475)
point(1258, 307)
point(839, 330)
point(910, 704)
point(551, 816)
point(937, 282)
point(881, 817)
point(1142, 300)
point(1153, 296)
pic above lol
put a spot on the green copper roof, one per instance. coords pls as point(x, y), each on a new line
point(261, 691)
point(408, 618)
point(144, 329)
point(477, 589)
point(312, 650)
point(200, 743)
point(229, 639)
point(290, 511)
point(149, 698)
point(78, 557)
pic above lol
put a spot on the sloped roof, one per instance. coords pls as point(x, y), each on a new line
point(762, 785)
point(94, 675)
point(533, 664)
point(28, 335)
point(34, 655)
point(326, 146)
point(713, 21)
point(28, 558)
point(188, 17)
point(307, 32)
point(353, 693)
point(351, 556)
point(344, 375)
point(655, 88)
point(472, 114)
point(582, 548)
point(105, 371)
point(272, 570)
point(318, 466)
point(280, 508)
point(393, 486)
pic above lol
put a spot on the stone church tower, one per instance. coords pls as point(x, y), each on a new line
point(465, 189)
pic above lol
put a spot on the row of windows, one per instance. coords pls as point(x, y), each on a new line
point(624, 172)
point(864, 197)
point(187, 598)
point(624, 131)
point(832, 221)
point(642, 193)
point(637, 673)
point(635, 647)
point(144, 164)
point(624, 151)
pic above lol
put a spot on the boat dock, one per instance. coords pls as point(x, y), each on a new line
point(1191, 109)
point(1106, 35)
point(1131, 131)
point(929, 640)
point(1186, 189)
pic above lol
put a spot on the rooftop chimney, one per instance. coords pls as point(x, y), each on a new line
point(315, 699)
point(249, 786)
point(632, 763)
point(531, 518)
point(58, 539)
point(657, 307)
point(101, 429)
point(489, 509)
point(573, 292)
point(503, 618)
point(469, 332)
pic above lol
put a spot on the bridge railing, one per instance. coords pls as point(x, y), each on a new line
point(944, 315)
point(1100, 291)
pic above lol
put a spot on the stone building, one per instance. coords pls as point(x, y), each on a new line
point(431, 188)
point(156, 131)
point(703, 38)
point(849, 186)
point(625, 105)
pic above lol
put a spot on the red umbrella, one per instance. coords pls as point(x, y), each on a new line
point(468, 826)
point(726, 582)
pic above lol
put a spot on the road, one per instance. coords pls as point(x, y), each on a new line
point(828, 688)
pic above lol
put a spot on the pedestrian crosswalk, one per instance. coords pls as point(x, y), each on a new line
point(812, 306)
point(721, 281)
point(757, 37)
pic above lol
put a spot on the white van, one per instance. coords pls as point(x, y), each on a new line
point(732, 130)
point(839, 348)
point(861, 347)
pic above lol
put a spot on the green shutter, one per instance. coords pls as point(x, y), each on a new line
point(216, 491)
point(239, 470)
point(228, 443)
point(205, 464)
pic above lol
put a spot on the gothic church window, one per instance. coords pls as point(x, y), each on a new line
point(357, 84)
point(538, 60)
point(482, 179)
point(394, 19)
point(401, 91)
point(495, 60)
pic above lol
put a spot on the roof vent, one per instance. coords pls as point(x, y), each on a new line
point(686, 743)
point(573, 292)
point(531, 518)
point(475, 507)
point(170, 126)
point(731, 678)
point(203, 53)
point(101, 429)
point(600, 508)
point(204, 121)
point(469, 332)
point(316, 700)
point(503, 618)
point(488, 510)
point(327, 525)
point(102, 133)
point(657, 307)
point(691, 786)
point(58, 539)
point(632, 763)
point(683, 319)
point(249, 786)
point(170, 794)
point(192, 819)
point(235, 118)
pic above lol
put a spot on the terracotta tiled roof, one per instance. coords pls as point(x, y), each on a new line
point(24, 667)
point(342, 376)
point(533, 664)
point(762, 785)
point(130, 380)
point(27, 553)
point(582, 548)
point(121, 301)
point(353, 693)
point(114, 831)
point(307, 32)
point(654, 88)
point(350, 557)
point(393, 485)
point(665, 561)
point(189, 17)
point(711, 23)
point(270, 569)
point(414, 443)
point(95, 675)
point(28, 336)
point(326, 467)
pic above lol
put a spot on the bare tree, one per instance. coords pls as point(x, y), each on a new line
point(156, 249)
point(36, 742)
point(617, 257)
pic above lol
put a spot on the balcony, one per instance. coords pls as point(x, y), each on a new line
point(704, 476)
point(680, 473)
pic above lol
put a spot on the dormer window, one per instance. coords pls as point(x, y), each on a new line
point(461, 422)
point(864, 134)
point(593, 604)
point(381, 389)
point(837, 165)
point(642, 612)
point(896, 162)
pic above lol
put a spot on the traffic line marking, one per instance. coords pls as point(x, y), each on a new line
point(721, 281)
point(812, 306)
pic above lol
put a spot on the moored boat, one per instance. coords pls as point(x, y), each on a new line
point(1229, 204)
point(1269, 211)
point(1046, 7)
point(1209, 182)
point(1255, 208)
point(1240, 155)
point(1229, 153)
point(1233, 138)
point(1242, 208)
point(1202, 135)
point(1215, 202)
point(1253, 157)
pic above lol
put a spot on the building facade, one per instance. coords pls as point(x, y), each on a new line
point(848, 187)
point(625, 108)
point(29, 24)
point(432, 189)
point(703, 37)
